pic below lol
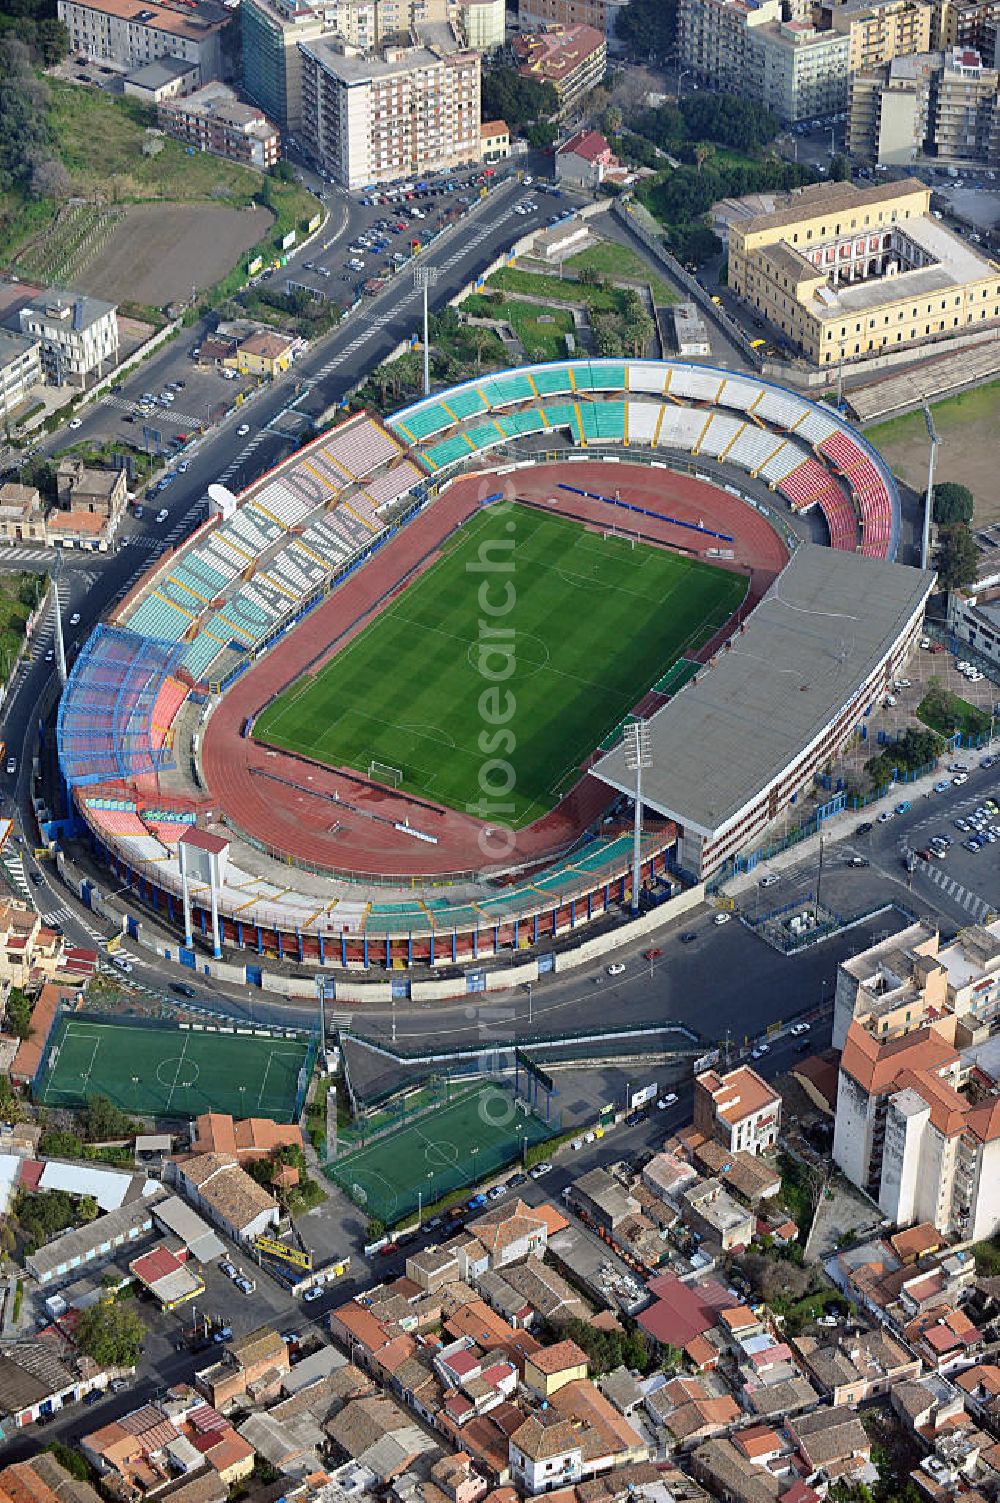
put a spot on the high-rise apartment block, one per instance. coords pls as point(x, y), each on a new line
point(944, 105)
point(372, 119)
point(795, 59)
point(273, 29)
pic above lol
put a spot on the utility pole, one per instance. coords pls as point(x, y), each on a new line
point(424, 277)
point(932, 434)
point(819, 877)
point(638, 755)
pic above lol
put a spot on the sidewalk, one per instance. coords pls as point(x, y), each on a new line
point(842, 826)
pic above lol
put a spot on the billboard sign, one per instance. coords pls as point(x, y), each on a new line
point(254, 266)
point(643, 1095)
point(287, 241)
point(314, 223)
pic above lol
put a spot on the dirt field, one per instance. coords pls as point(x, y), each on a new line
point(967, 425)
point(163, 250)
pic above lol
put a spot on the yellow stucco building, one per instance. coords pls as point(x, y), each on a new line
point(849, 272)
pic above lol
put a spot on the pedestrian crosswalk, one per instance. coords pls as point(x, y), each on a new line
point(962, 897)
point(14, 867)
point(21, 555)
point(153, 419)
point(241, 458)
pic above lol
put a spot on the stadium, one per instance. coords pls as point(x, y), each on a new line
point(370, 713)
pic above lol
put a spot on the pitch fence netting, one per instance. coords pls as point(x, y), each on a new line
point(105, 723)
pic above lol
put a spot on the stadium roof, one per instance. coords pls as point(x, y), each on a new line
point(825, 625)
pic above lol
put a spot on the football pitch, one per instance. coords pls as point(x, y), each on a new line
point(174, 1072)
point(506, 662)
point(465, 1141)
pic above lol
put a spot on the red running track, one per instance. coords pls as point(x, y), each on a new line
point(304, 823)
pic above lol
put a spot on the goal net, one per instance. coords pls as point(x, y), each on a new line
point(384, 772)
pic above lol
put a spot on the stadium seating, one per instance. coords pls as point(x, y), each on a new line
point(840, 517)
point(168, 701)
point(752, 448)
point(719, 433)
point(279, 501)
point(785, 456)
point(504, 390)
point(779, 409)
point(383, 489)
point(738, 394)
point(424, 421)
point(156, 617)
point(681, 427)
point(465, 403)
point(642, 420)
point(845, 452)
point(802, 486)
point(448, 451)
point(517, 423)
point(554, 381)
point(603, 421)
point(360, 446)
point(695, 385)
point(598, 375)
point(815, 427)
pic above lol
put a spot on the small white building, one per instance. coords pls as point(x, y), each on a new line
point(78, 336)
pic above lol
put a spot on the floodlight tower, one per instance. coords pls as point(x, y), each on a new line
point(932, 434)
point(638, 756)
point(424, 277)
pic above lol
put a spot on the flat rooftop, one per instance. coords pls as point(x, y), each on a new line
point(828, 621)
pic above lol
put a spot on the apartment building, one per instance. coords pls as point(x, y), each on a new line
point(573, 59)
point(601, 14)
point(964, 124)
point(271, 31)
point(77, 336)
point(213, 119)
point(483, 24)
point(881, 31)
point(890, 110)
point(793, 66)
point(739, 1110)
point(801, 71)
point(849, 272)
point(20, 370)
point(918, 1127)
point(912, 981)
point(967, 23)
point(371, 119)
point(120, 32)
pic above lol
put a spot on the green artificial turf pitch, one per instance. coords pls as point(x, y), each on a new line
point(164, 1071)
point(586, 623)
point(458, 1144)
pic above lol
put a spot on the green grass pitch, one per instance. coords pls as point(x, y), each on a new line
point(173, 1072)
point(586, 624)
point(458, 1144)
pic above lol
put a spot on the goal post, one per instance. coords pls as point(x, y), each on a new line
point(384, 772)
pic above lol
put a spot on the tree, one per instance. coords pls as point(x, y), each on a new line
point(18, 1013)
point(111, 1333)
point(840, 169)
point(71, 1461)
point(952, 503)
point(375, 1229)
point(648, 27)
point(51, 180)
point(506, 95)
point(87, 1209)
point(957, 557)
point(612, 121)
point(702, 153)
point(103, 1121)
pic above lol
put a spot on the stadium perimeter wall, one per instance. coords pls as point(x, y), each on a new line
point(355, 986)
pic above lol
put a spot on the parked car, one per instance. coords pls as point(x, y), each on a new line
point(162, 515)
point(182, 989)
point(797, 1029)
point(540, 1170)
point(670, 1099)
point(760, 1051)
point(228, 1269)
point(721, 918)
point(616, 969)
point(858, 861)
point(314, 1293)
point(76, 422)
point(770, 879)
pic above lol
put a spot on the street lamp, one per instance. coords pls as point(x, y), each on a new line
point(424, 277)
point(684, 73)
point(638, 755)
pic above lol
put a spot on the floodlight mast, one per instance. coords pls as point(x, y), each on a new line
point(638, 756)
